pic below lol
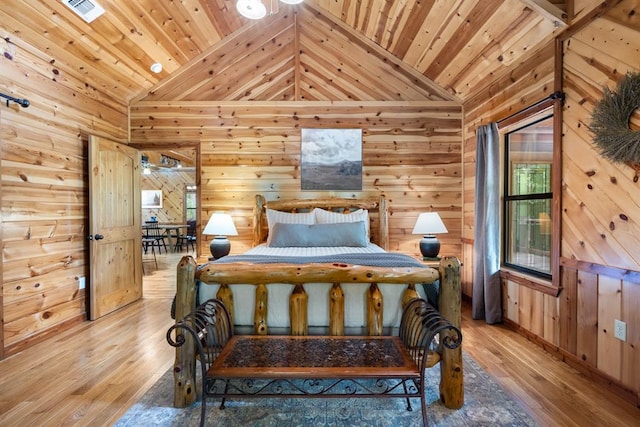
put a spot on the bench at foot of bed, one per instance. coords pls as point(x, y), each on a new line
point(245, 366)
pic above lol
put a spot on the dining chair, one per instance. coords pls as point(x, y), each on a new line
point(148, 259)
point(189, 238)
point(154, 237)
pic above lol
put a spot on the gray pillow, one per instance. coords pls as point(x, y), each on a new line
point(352, 234)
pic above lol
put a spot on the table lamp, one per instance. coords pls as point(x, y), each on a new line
point(429, 224)
point(220, 225)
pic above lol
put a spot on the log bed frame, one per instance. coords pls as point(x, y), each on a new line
point(451, 383)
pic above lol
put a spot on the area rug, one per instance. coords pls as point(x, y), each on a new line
point(486, 404)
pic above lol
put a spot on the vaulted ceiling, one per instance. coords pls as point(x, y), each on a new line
point(460, 45)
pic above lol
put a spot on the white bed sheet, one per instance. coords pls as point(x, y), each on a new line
point(318, 294)
point(314, 251)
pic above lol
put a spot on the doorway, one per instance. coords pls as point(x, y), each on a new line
point(170, 176)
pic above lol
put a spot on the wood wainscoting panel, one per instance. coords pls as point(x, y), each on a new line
point(551, 315)
point(587, 318)
point(609, 305)
point(568, 307)
point(630, 373)
point(578, 324)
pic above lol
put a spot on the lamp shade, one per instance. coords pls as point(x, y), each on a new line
point(252, 9)
point(220, 224)
point(429, 224)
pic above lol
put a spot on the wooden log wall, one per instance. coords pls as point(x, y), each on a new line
point(411, 153)
point(44, 191)
point(600, 206)
point(173, 185)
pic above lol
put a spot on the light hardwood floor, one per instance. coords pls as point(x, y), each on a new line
point(91, 374)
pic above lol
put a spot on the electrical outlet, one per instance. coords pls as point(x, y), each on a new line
point(81, 282)
point(620, 330)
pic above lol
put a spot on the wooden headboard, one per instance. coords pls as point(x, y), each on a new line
point(378, 214)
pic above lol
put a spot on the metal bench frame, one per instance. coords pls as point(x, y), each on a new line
point(423, 332)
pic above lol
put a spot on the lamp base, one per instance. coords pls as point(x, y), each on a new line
point(219, 247)
point(430, 247)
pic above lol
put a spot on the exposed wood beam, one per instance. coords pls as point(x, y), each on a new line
point(549, 11)
point(594, 14)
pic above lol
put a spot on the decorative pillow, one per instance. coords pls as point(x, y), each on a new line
point(315, 235)
point(274, 217)
point(329, 217)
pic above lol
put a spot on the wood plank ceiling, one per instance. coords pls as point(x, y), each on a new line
point(460, 45)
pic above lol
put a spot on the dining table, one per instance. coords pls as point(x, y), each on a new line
point(172, 231)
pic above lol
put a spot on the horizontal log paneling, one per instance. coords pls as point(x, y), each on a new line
point(41, 322)
point(397, 162)
point(44, 180)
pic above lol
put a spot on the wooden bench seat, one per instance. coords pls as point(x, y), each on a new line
point(296, 357)
point(342, 365)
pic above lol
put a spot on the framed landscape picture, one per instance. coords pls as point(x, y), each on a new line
point(151, 198)
point(331, 159)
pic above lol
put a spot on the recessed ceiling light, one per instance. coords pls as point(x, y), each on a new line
point(292, 1)
point(156, 68)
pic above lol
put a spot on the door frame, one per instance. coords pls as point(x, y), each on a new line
point(195, 146)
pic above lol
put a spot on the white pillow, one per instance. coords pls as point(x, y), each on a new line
point(274, 217)
point(329, 217)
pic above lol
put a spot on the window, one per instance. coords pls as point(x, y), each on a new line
point(528, 194)
point(190, 203)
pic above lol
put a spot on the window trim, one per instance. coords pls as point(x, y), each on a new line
point(190, 189)
point(507, 198)
point(555, 102)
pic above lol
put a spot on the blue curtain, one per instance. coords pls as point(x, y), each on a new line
point(487, 300)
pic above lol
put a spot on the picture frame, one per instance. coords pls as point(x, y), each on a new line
point(331, 159)
point(151, 199)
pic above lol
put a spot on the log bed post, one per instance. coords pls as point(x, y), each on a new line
point(298, 311)
point(184, 366)
point(409, 295)
point(258, 213)
point(449, 302)
point(374, 310)
point(383, 221)
point(225, 295)
point(336, 310)
point(260, 310)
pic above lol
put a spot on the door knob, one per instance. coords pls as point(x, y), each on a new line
point(98, 237)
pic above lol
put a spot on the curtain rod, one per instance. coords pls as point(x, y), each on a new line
point(532, 108)
point(23, 102)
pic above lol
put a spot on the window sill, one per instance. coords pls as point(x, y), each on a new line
point(532, 282)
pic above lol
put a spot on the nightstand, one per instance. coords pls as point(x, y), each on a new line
point(431, 262)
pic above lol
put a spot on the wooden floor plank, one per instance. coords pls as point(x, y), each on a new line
point(92, 373)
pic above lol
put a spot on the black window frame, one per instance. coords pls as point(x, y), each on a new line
point(508, 199)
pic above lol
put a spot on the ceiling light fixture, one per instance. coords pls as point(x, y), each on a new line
point(252, 9)
point(255, 9)
point(156, 68)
